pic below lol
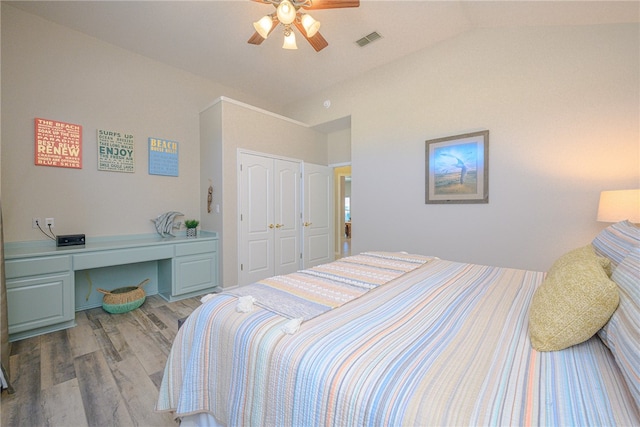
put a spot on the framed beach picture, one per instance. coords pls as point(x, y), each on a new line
point(457, 169)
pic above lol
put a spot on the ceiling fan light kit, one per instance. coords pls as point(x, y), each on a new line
point(289, 39)
point(311, 26)
point(288, 13)
point(264, 25)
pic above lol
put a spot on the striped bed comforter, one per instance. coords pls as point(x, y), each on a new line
point(445, 344)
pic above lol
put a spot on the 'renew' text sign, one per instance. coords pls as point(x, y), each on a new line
point(58, 144)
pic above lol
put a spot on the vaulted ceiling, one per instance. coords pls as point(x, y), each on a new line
point(209, 38)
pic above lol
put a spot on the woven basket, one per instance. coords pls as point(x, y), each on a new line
point(125, 299)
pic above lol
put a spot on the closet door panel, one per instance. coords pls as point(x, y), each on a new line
point(287, 214)
point(318, 215)
point(287, 255)
point(256, 218)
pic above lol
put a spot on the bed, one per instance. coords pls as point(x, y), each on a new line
point(401, 339)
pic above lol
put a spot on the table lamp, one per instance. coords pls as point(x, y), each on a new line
point(619, 205)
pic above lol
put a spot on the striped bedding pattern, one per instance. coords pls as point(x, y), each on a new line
point(622, 333)
point(308, 293)
point(616, 241)
point(445, 344)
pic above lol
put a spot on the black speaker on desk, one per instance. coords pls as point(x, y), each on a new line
point(70, 240)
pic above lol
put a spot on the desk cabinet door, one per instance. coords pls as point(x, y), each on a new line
point(39, 301)
point(195, 273)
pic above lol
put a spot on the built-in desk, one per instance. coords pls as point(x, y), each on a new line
point(41, 278)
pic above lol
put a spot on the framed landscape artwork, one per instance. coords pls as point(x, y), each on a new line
point(457, 169)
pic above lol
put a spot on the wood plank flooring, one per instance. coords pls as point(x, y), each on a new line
point(104, 372)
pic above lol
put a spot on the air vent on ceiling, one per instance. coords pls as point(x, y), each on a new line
point(370, 38)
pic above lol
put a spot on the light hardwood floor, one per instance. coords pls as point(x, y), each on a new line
point(104, 372)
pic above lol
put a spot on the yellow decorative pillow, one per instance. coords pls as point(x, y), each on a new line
point(576, 299)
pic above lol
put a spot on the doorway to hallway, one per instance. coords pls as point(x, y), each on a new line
point(344, 234)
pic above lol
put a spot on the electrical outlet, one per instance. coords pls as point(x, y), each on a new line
point(49, 222)
point(35, 222)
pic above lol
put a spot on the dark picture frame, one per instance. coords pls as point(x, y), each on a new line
point(457, 169)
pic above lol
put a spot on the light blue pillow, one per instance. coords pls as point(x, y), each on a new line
point(622, 333)
point(616, 241)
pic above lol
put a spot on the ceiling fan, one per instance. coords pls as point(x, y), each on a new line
point(293, 13)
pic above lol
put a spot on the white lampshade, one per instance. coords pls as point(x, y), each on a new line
point(263, 26)
point(286, 12)
point(619, 205)
point(290, 41)
point(311, 26)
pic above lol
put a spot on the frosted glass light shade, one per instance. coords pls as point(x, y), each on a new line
point(263, 26)
point(286, 12)
point(290, 41)
point(311, 26)
point(619, 205)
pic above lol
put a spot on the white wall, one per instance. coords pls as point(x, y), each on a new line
point(52, 72)
point(561, 105)
point(339, 144)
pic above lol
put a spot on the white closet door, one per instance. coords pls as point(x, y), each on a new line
point(287, 216)
point(318, 215)
point(257, 223)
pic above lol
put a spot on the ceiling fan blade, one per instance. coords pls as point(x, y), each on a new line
point(317, 41)
point(256, 39)
point(331, 4)
point(261, 1)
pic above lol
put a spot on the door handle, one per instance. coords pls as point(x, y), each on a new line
point(279, 225)
point(270, 225)
point(306, 224)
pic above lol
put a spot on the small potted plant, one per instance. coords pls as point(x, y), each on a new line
point(192, 225)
